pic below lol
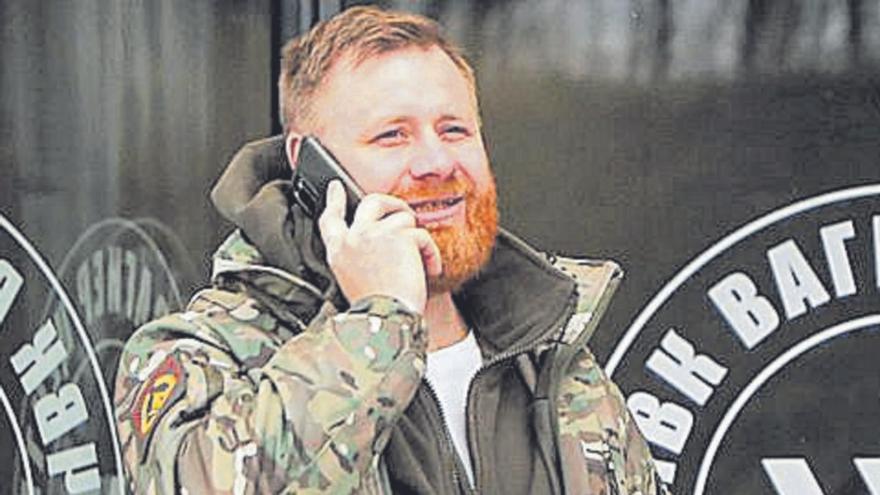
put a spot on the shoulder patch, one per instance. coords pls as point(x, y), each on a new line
point(163, 388)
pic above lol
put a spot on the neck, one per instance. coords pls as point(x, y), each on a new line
point(445, 324)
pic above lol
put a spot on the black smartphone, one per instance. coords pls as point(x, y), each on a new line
point(315, 168)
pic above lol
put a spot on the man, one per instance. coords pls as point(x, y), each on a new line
point(304, 368)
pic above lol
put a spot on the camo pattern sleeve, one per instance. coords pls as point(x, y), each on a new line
point(601, 450)
point(193, 417)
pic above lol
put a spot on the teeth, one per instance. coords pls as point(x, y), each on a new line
point(433, 205)
point(436, 205)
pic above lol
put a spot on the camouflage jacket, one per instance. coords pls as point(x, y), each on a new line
point(261, 386)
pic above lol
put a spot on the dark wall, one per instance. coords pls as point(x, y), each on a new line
point(644, 131)
point(127, 108)
point(115, 119)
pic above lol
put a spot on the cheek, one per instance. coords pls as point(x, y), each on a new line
point(375, 171)
point(377, 184)
point(475, 164)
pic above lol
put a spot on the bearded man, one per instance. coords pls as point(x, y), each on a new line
point(418, 349)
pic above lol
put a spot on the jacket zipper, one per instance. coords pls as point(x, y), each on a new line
point(448, 447)
point(473, 445)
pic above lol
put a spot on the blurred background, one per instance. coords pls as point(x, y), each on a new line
point(640, 130)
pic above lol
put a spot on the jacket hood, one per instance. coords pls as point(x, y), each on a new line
point(253, 193)
point(514, 301)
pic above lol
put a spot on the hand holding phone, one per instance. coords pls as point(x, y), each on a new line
point(381, 251)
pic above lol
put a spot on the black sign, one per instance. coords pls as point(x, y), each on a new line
point(753, 370)
point(63, 332)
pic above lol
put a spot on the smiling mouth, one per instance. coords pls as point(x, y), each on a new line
point(431, 205)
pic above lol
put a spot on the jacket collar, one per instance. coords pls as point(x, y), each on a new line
point(517, 300)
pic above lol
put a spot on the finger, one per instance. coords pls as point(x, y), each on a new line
point(400, 220)
point(332, 221)
point(429, 251)
point(335, 204)
point(374, 207)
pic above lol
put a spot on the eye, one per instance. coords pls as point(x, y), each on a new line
point(390, 137)
point(455, 132)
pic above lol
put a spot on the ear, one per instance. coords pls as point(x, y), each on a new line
point(291, 148)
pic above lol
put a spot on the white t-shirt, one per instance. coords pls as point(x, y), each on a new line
point(449, 372)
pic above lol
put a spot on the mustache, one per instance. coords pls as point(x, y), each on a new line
point(432, 189)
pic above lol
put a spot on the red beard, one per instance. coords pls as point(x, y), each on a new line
point(464, 249)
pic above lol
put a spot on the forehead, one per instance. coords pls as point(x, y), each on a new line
point(412, 79)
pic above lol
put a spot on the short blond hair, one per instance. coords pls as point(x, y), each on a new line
point(361, 32)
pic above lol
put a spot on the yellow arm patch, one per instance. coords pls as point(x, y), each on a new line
point(163, 388)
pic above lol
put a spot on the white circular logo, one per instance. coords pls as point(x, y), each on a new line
point(62, 332)
point(754, 369)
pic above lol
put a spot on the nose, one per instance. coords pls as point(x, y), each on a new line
point(432, 158)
